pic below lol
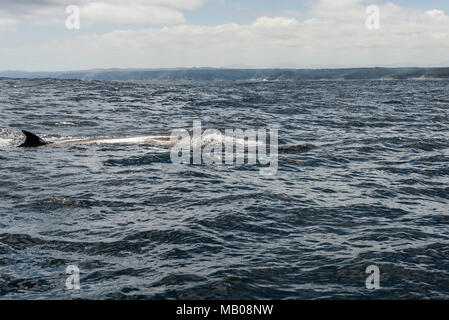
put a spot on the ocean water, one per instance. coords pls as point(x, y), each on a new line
point(362, 179)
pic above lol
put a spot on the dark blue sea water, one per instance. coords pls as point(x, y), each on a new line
point(366, 182)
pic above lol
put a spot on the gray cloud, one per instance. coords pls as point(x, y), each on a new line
point(111, 11)
point(27, 6)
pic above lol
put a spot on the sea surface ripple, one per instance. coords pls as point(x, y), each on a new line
point(363, 179)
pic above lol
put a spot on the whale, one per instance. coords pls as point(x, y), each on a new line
point(33, 141)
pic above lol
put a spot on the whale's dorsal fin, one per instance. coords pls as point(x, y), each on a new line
point(32, 140)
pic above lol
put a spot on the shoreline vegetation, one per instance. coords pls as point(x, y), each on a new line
point(213, 74)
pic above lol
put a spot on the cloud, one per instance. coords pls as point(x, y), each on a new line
point(7, 24)
point(124, 13)
point(151, 12)
point(329, 33)
point(31, 5)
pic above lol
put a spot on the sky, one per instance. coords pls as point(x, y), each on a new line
point(222, 33)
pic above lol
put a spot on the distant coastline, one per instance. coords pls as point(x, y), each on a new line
point(211, 74)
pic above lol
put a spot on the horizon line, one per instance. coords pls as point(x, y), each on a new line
point(228, 68)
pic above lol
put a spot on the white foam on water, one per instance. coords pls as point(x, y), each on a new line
point(66, 123)
point(210, 138)
point(5, 142)
point(9, 138)
point(221, 138)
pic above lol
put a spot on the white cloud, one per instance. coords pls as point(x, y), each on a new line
point(7, 23)
point(137, 11)
point(124, 13)
point(331, 33)
point(435, 13)
point(277, 22)
point(150, 12)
